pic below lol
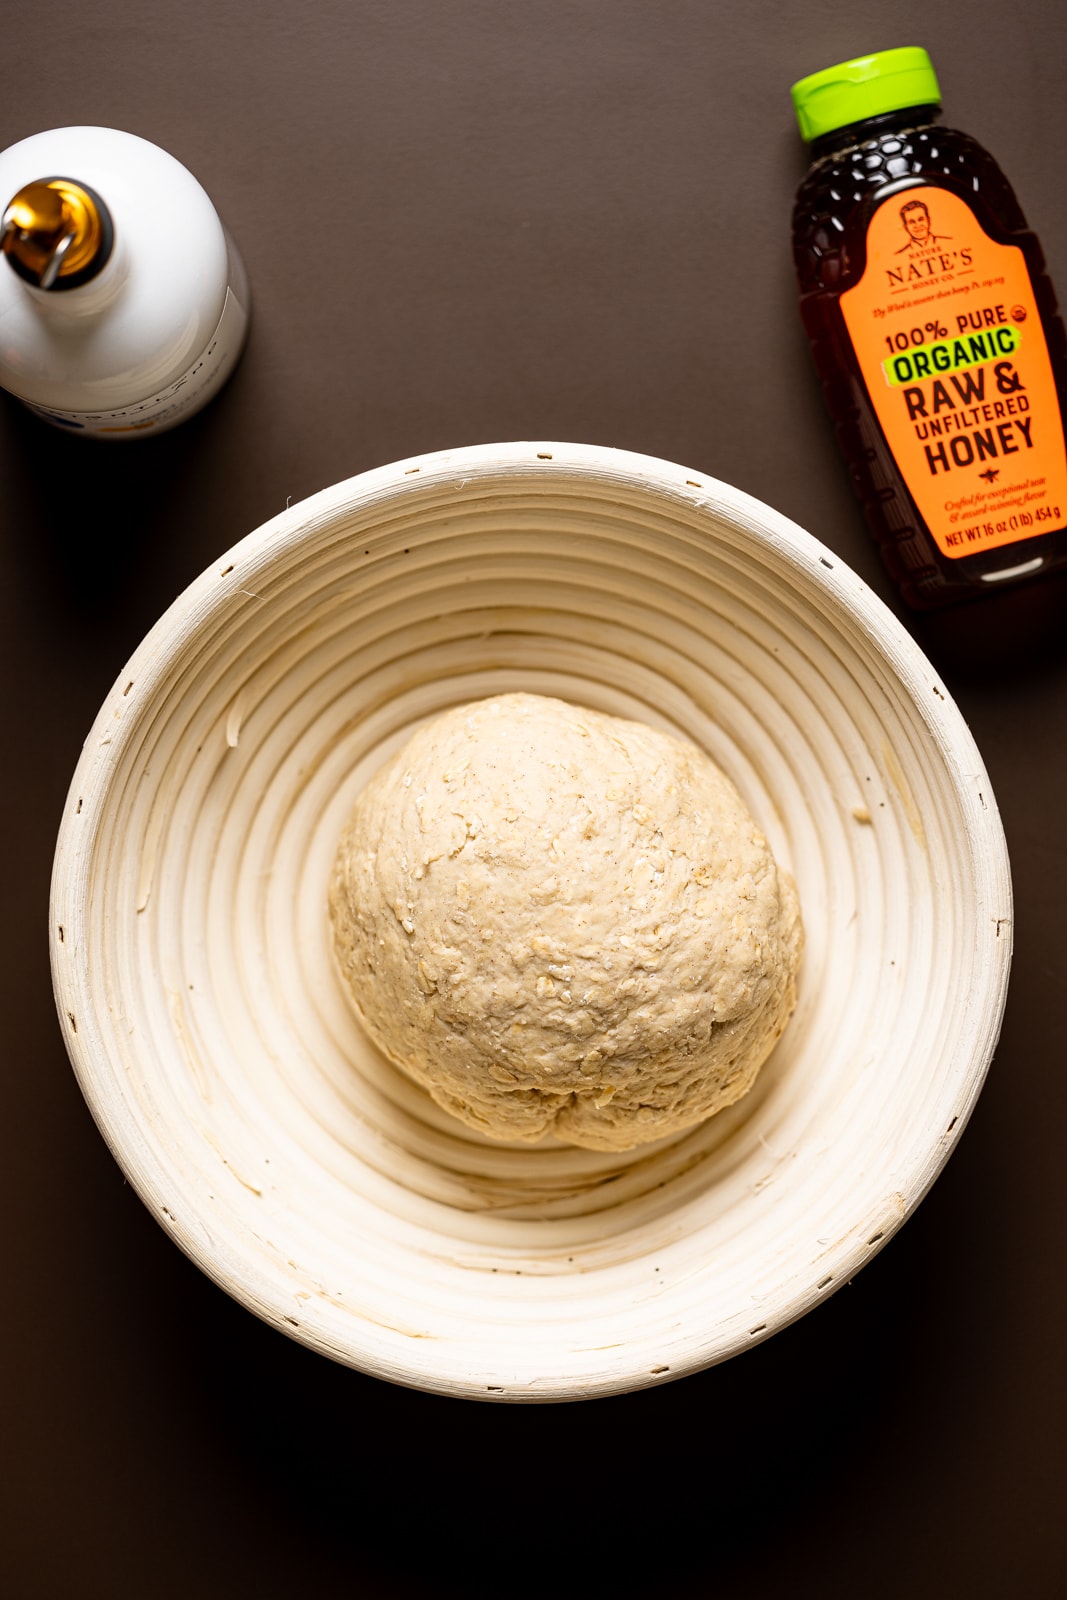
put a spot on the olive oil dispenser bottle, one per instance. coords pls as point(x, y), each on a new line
point(123, 302)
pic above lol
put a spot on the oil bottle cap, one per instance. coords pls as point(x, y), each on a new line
point(869, 86)
point(56, 233)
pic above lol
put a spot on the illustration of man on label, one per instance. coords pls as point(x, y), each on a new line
point(915, 215)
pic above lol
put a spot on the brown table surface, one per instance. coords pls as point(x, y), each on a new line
point(466, 221)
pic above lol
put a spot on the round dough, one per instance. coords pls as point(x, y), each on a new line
point(561, 922)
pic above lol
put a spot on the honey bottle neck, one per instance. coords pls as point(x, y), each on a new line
point(840, 140)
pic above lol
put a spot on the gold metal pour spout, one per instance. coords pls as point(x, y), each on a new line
point(56, 234)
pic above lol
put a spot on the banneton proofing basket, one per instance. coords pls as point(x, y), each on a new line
point(225, 1067)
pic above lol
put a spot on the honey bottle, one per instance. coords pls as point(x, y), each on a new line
point(123, 302)
point(935, 334)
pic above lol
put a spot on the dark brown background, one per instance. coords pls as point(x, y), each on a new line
point(467, 222)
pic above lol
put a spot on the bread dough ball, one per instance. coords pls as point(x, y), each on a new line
point(561, 922)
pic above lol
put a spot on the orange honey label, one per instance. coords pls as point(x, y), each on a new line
point(949, 341)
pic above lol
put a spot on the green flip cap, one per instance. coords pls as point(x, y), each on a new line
point(866, 87)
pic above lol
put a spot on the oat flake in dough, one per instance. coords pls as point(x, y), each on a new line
point(561, 922)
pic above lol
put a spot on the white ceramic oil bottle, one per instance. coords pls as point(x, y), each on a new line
point(123, 303)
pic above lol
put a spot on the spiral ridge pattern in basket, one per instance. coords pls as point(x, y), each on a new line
point(219, 1054)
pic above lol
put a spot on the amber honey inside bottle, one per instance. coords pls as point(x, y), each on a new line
point(935, 334)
